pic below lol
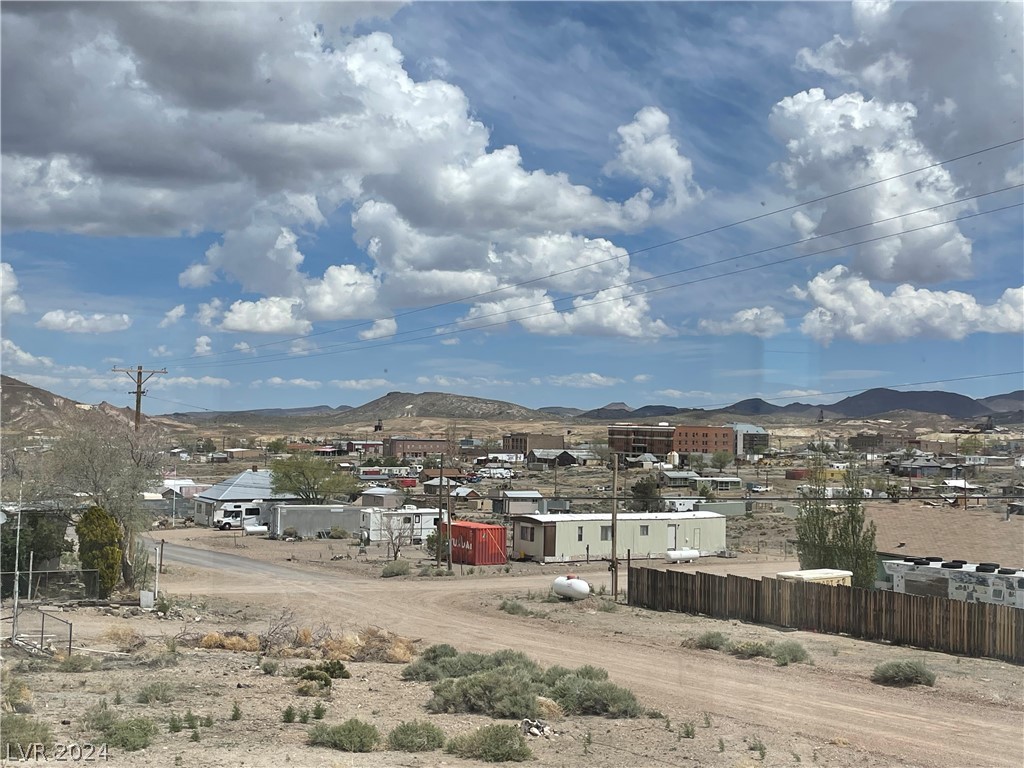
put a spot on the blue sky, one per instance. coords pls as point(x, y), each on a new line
point(320, 203)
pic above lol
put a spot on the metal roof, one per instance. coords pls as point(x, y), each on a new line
point(522, 495)
point(623, 516)
point(245, 486)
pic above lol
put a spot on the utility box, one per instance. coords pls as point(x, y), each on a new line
point(831, 576)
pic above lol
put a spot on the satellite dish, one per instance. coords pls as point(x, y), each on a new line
point(3, 518)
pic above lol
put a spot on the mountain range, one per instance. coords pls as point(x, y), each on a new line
point(27, 408)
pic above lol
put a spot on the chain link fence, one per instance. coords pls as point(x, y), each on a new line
point(53, 585)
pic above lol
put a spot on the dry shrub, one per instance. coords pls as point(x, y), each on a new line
point(303, 637)
point(238, 643)
point(380, 645)
point(212, 640)
point(232, 641)
point(341, 648)
point(125, 638)
point(549, 709)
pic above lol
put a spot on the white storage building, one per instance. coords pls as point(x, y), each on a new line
point(313, 520)
point(572, 537)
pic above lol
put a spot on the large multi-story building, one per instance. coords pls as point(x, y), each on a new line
point(750, 439)
point(401, 447)
point(688, 439)
point(632, 440)
point(524, 442)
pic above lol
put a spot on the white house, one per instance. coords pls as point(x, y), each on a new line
point(571, 537)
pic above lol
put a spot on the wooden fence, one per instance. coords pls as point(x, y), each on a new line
point(933, 623)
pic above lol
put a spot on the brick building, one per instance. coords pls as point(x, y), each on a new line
point(632, 440)
point(401, 447)
point(524, 442)
point(688, 439)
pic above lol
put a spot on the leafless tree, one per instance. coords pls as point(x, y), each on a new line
point(396, 532)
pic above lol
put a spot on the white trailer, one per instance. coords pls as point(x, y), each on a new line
point(412, 524)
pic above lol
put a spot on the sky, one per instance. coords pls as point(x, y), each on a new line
point(547, 203)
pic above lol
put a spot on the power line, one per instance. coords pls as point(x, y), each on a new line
point(363, 345)
point(712, 230)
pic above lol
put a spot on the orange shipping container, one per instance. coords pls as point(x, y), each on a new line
point(478, 543)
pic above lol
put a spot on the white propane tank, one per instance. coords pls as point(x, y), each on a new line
point(256, 529)
point(682, 556)
point(572, 587)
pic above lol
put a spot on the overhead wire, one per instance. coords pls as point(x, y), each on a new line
point(630, 253)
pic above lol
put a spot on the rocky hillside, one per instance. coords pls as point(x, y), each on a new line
point(25, 408)
point(438, 405)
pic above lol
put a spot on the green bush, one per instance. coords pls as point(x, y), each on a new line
point(584, 696)
point(501, 693)
point(515, 608)
point(317, 676)
point(338, 533)
point(396, 568)
point(464, 664)
point(131, 734)
point(903, 673)
point(492, 744)
point(236, 712)
point(269, 667)
point(334, 669)
point(99, 547)
point(789, 652)
point(100, 717)
point(78, 663)
point(288, 716)
point(319, 710)
point(174, 724)
point(714, 641)
point(749, 649)
point(415, 736)
point(20, 732)
point(162, 692)
point(351, 736)
point(435, 653)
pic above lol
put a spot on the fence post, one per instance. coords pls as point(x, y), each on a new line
point(629, 565)
point(42, 629)
point(71, 628)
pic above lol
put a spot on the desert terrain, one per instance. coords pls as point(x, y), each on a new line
point(740, 712)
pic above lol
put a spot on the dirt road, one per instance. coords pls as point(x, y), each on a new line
point(801, 703)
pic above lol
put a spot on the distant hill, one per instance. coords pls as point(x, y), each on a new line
point(1011, 401)
point(560, 411)
point(753, 407)
point(438, 405)
point(879, 401)
point(26, 408)
point(615, 407)
point(259, 414)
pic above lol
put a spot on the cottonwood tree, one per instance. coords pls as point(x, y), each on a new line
point(309, 478)
point(720, 460)
point(836, 535)
point(100, 457)
point(646, 496)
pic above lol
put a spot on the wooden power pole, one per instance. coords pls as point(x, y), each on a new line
point(615, 528)
point(137, 377)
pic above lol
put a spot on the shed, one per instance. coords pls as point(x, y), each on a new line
point(478, 543)
point(574, 537)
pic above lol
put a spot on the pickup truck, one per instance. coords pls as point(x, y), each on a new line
point(760, 488)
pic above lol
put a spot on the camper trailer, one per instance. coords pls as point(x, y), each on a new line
point(413, 524)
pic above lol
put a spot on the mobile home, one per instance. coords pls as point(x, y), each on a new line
point(313, 520)
point(574, 537)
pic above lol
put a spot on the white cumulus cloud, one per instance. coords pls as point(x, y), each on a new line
point(15, 355)
point(583, 380)
point(76, 322)
point(10, 302)
point(160, 351)
point(277, 381)
point(359, 383)
point(187, 382)
point(847, 306)
point(202, 346)
point(381, 329)
point(763, 322)
point(172, 316)
point(274, 314)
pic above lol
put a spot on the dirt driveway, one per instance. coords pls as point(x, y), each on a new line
point(829, 710)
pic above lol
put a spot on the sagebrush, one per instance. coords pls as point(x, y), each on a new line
point(415, 736)
point(351, 736)
point(492, 744)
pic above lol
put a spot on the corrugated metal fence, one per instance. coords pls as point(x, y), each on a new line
point(934, 623)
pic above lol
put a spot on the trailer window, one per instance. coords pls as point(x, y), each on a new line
point(579, 533)
point(526, 532)
point(644, 529)
point(606, 533)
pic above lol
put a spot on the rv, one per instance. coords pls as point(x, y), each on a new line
point(237, 515)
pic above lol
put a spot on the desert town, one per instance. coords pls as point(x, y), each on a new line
point(535, 542)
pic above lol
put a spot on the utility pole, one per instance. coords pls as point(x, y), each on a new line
point(136, 376)
point(615, 527)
